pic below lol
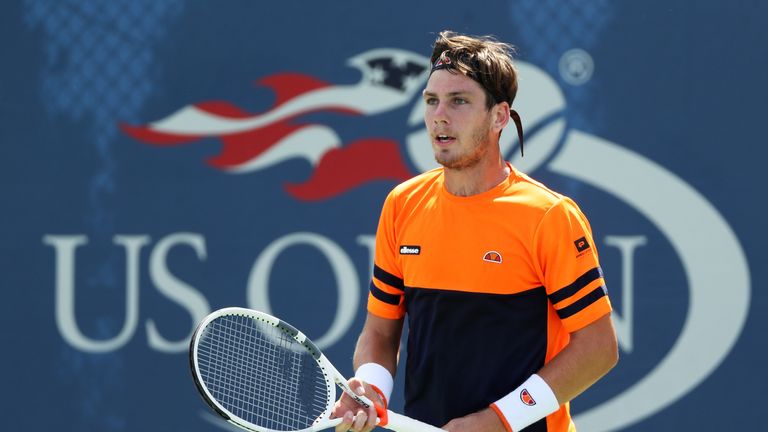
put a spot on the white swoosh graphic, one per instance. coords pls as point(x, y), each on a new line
point(310, 143)
point(365, 98)
point(712, 258)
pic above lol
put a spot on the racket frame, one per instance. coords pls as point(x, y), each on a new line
point(394, 421)
point(322, 422)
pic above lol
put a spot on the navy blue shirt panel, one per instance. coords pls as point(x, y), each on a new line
point(468, 350)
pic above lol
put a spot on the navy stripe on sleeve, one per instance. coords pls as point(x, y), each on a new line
point(582, 281)
point(388, 278)
point(392, 299)
point(582, 303)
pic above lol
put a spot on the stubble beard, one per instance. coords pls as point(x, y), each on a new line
point(480, 140)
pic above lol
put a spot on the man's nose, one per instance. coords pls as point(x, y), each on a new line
point(439, 115)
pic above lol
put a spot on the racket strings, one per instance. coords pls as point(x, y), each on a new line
point(261, 374)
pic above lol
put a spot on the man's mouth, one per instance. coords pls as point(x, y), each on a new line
point(444, 139)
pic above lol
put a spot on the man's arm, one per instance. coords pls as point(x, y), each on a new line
point(590, 354)
point(379, 343)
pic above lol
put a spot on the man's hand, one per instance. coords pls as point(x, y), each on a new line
point(481, 421)
point(355, 417)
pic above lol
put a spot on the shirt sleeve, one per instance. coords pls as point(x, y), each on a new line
point(569, 267)
point(387, 290)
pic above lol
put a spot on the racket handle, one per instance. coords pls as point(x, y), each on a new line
point(392, 420)
point(400, 423)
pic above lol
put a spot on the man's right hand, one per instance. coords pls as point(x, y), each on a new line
point(355, 417)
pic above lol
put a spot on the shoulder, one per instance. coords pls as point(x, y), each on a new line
point(531, 200)
point(533, 195)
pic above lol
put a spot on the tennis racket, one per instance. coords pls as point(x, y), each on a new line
point(262, 374)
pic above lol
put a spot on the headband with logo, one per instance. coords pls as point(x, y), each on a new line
point(444, 62)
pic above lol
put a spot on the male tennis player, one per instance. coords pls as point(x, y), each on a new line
point(497, 274)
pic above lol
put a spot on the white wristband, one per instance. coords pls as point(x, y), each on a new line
point(378, 375)
point(527, 404)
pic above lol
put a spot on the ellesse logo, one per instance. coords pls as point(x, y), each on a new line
point(492, 256)
point(527, 398)
point(410, 250)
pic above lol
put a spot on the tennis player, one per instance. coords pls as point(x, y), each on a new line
point(498, 276)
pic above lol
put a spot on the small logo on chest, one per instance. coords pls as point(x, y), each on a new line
point(492, 256)
point(410, 250)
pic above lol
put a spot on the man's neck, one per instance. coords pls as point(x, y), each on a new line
point(476, 179)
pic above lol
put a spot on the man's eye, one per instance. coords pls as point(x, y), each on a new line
point(430, 101)
point(459, 101)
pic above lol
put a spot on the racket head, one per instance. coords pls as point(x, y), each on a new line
point(260, 373)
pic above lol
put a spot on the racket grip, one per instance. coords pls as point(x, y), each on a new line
point(400, 423)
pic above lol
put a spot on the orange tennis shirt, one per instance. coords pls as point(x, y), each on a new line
point(491, 286)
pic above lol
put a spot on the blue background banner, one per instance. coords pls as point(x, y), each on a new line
point(161, 159)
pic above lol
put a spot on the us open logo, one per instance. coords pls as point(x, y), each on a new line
point(552, 147)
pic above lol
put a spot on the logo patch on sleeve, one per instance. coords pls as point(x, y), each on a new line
point(527, 398)
point(410, 250)
point(581, 244)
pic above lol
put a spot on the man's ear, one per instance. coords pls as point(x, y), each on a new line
point(499, 116)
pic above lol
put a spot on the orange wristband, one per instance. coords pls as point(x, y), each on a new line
point(381, 411)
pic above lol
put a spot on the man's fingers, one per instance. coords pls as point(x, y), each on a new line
point(360, 421)
point(372, 416)
point(346, 422)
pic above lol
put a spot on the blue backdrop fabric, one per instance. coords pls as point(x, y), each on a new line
point(161, 159)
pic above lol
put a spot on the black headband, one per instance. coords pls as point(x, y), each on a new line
point(444, 62)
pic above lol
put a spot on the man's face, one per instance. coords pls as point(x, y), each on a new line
point(459, 124)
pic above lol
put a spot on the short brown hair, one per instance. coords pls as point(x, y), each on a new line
point(482, 58)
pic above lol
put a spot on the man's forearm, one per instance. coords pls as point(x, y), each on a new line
point(590, 354)
point(379, 342)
